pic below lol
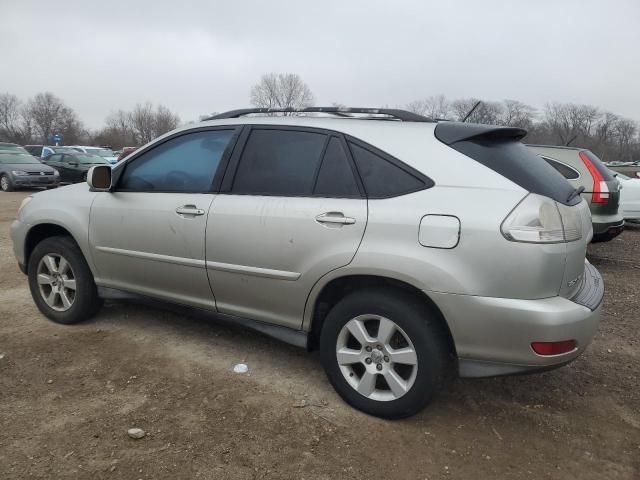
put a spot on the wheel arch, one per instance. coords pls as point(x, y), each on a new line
point(37, 233)
point(324, 297)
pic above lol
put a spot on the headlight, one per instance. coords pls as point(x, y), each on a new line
point(19, 173)
point(539, 219)
point(24, 204)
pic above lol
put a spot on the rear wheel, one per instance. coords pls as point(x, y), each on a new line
point(5, 184)
point(61, 282)
point(384, 353)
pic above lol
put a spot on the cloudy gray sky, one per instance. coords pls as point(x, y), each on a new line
point(202, 56)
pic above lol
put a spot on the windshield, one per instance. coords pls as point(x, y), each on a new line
point(103, 152)
point(8, 157)
point(90, 159)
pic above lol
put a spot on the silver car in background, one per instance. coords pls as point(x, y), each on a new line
point(404, 250)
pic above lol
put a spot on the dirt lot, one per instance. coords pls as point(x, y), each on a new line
point(69, 394)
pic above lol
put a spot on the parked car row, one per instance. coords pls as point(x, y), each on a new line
point(358, 237)
point(44, 166)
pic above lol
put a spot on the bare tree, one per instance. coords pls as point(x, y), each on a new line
point(48, 114)
point(11, 124)
point(281, 90)
point(625, 131)
point(164, 121)
point(570, 122)
point(517, 114)
point(436, 106)
point(143, 123)
point(140, 126)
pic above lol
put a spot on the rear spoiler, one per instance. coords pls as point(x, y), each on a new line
point(453, 132)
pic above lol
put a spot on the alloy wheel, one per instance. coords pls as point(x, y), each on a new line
point(56, 282)
point(4, 183)
point(376, 357)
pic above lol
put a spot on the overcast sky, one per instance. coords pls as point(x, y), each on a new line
point(201, 56)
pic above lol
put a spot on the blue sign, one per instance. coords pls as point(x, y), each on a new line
point(57, 138)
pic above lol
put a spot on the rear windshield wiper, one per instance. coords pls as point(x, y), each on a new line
point(575, 193)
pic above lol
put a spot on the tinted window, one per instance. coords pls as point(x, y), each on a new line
point(54, 158)
point(518, 163)
point(566, 171)
point(381, 178)
point(279, 162)
point(183, 164)
point(335, 178)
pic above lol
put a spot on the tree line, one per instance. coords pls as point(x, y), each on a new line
point(40, 117)
point(610, 136)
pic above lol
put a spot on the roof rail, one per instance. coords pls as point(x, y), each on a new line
point(391, 113)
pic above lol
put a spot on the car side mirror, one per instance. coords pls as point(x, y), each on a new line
point(99, 178)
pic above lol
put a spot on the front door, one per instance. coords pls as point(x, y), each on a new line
point(293, 213)
point(148, 234)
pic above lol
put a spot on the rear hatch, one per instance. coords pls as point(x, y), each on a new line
point(500, 149)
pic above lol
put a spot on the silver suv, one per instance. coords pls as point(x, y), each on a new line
point(402, 249)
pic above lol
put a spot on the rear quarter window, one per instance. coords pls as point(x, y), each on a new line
point(565, 170)
point(384, 178)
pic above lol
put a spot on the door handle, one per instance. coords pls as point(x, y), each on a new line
point(335, 218)
point(189, 210)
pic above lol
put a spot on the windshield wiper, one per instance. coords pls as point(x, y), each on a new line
point(575, 193)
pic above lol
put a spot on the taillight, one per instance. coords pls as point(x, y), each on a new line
point(600, 190)
point(554, 348)
point(538, 219)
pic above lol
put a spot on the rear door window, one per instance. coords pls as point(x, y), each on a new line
point(279, 162)
point(336, 178)
point(381, 178)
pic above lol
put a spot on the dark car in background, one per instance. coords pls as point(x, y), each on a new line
point(43, 151)
point(21, 170)
point(73, 167)
point(35, 150)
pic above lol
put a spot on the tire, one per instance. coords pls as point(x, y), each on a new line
point(82, 302)
point(415, 328)
point(5, 184)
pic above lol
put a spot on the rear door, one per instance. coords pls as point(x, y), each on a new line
point(291, 211)
point(148, 234)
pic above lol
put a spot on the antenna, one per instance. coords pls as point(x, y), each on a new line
point(473, 109)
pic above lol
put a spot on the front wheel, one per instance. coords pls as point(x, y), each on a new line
point(61, 282)
point(385, 354)
point(5, 184)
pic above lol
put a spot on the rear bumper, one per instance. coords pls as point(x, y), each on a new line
point(605, 231)
point(493, 336)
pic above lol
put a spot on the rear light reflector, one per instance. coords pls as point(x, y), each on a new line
point(600, 192)
point(554, 348)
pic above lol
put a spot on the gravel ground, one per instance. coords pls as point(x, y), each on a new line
point(68, 395)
